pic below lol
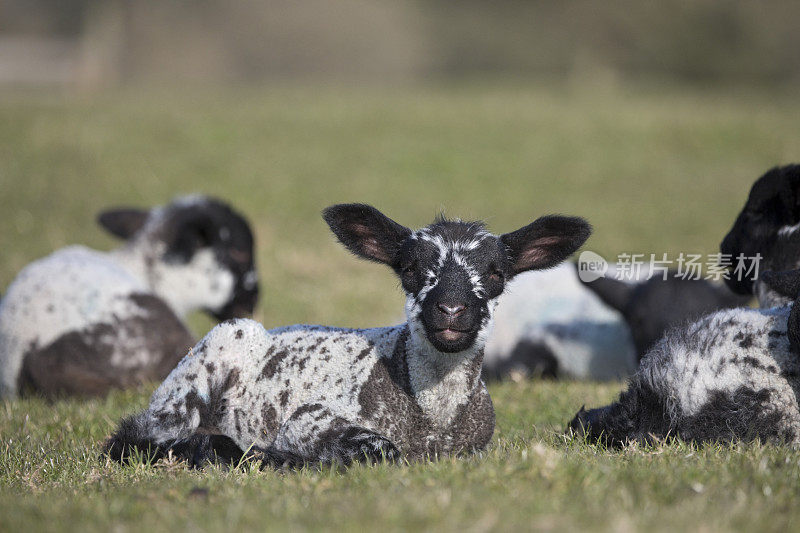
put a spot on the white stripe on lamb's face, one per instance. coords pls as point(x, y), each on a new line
point(445, 271)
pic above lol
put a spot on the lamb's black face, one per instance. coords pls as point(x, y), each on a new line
point(211, 225)
point(232, 242)
point(766, 225)
point(452, 271)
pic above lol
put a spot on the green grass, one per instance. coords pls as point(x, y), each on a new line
point(654, 171)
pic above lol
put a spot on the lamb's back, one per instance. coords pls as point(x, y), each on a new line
point(724, 354)
point(77, 322)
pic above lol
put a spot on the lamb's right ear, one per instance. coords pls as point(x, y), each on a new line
point(614, 293)
point(367, 232)
point(786, 283)
point(123, 222)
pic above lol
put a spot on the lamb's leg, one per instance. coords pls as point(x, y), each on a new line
point(195, 400)
point(598, 425)
point(153, 433)
point(184, 408)
point(203, 450)
point(343, 447)
point(315, 435)
point(639, 415)
point(357, 444)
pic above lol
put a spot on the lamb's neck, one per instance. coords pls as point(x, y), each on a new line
point(441, 382)
point(139, 261)
point(767, 298)
point(134, 260)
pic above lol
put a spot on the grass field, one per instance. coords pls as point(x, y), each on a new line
point(654, 170)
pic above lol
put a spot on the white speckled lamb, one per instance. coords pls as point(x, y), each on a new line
point(730, 375)
point(80, 321)
point(312, 394)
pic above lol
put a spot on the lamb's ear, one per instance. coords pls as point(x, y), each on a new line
point(123, 222)
point(367, 232)
point(545, 242)
point(786, 283)
point(614, 293)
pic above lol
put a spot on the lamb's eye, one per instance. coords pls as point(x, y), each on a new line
point(496, 275)
point(410, 269)
point(239, 256)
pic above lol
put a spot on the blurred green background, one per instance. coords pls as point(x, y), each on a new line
point(654, 169)
point(651, 119)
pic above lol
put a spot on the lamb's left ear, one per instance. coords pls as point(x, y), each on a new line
point(123, 222)
point(367, 232)
point(545, 242)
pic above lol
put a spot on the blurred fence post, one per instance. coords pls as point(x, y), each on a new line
point(102, 45)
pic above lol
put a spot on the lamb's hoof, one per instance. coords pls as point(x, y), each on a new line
point(579, 426)
point(593, 426)
point(383, 451)
point(275, 459)
point(368, 447)
point(114, 449)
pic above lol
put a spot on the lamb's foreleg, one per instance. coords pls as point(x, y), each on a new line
point(184, 409)
point(315, 435)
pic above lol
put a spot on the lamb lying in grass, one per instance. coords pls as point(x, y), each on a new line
point(732, 375)
point(312, 394)
point(81, 322)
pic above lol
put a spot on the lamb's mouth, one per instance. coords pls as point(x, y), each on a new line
point(450, 335)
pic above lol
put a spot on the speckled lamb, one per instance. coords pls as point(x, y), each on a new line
point(311, 394)
point(732, 375)
point(81, 322)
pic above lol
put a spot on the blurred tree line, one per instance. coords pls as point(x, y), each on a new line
point(106, 42)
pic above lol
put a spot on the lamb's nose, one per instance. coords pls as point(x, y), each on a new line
point(451, 310)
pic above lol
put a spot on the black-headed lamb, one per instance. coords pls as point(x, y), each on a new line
point(768, 226)
point(312, 394)
point(81, 321)
point(732, 375)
